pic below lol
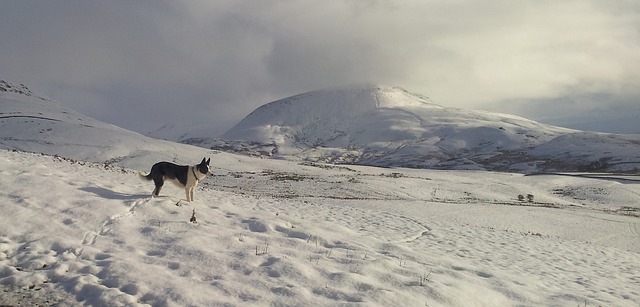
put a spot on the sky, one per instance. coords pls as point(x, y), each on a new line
point(147, 63)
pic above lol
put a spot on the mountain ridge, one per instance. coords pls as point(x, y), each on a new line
point(374, 125)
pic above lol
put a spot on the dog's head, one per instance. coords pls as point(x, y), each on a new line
point(203, 167)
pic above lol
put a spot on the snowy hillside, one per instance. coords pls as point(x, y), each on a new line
point(35, 124)
point(388, 126)
point(283, 233)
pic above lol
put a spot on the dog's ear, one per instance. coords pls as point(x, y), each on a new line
point(203, 161)
point(208, 161)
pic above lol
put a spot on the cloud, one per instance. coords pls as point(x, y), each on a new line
point(601, 112)
point(158, 61)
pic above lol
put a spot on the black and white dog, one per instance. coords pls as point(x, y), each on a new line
point(184, 176)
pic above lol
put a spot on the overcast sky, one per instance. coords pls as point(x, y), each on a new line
point(140, 64)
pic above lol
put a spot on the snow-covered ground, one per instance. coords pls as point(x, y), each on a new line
point(278, 233)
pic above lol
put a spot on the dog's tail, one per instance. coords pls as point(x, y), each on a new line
point(143, 176)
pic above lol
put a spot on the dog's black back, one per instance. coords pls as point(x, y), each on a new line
point(162, 170)
point(167, 170)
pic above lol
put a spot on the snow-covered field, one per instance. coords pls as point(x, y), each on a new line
point(278, 233)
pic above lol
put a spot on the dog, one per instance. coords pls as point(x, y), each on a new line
point(184, 176)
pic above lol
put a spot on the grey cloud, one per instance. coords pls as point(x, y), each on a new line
point(602, 112)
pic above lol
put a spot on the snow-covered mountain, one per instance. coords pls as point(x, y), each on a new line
point(36, 124)
point(388, 126)
point(367, 125)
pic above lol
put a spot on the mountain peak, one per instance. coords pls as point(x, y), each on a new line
point(7, 87)
point(11, 89)
point(328, 109)
point(336, 104)
point(367, 95)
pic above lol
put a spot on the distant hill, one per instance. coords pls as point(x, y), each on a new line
point(388, 126)
point(36, 124)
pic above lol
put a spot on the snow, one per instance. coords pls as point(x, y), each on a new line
point(79, 228)
point(34, 124)
point(279, 233)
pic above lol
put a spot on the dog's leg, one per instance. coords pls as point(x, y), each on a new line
point(159, 184)
point(192, 191)
point(188, 192)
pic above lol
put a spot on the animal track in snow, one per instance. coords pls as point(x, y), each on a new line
point(91, 236)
